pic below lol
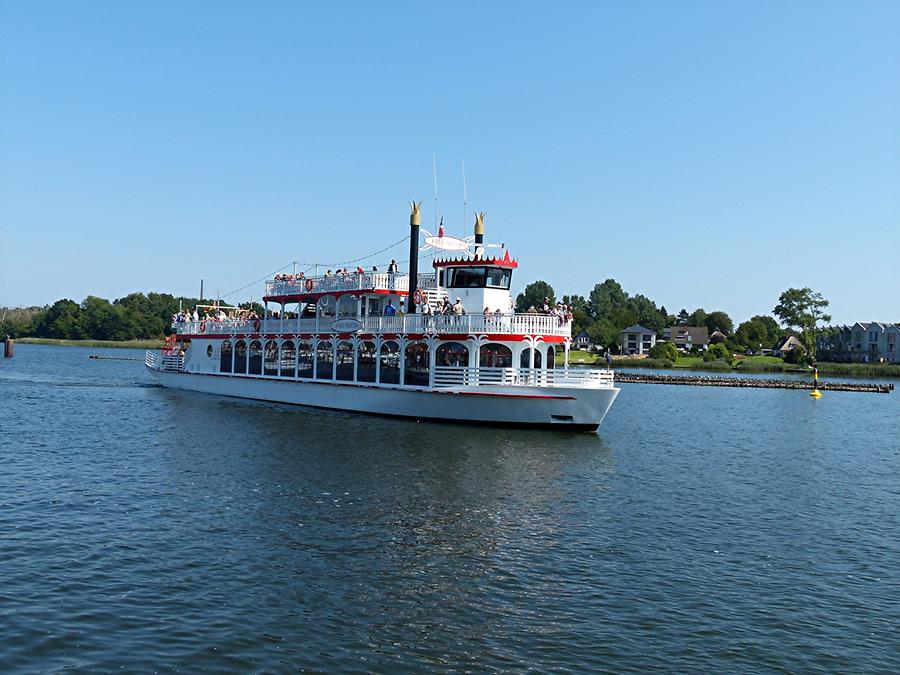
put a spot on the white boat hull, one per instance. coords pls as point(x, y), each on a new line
point(536, 407)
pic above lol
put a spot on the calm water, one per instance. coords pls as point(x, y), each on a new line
point(701, 530)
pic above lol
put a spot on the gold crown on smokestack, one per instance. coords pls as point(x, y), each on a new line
point(414, 217)
point(479, 223)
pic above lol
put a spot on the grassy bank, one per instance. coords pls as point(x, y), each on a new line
point(746, 364)
point(127, 344)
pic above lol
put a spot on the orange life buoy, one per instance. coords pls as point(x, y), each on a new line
point(309, 284)
point(418, 296)
point(203, 326)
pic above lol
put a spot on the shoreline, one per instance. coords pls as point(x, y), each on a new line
point(114, 344)
point(826, 368)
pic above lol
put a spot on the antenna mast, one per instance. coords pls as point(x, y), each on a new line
point(434, 171)
point(465, 199)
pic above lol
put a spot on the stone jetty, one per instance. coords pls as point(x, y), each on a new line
point(758, 383)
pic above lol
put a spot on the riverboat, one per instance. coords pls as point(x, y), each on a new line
point(342, 342)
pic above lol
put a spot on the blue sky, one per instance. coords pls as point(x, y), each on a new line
point(701, 153)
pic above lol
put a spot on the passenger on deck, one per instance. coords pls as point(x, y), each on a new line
point(392, 268)
point(532, 310)
point(446, 307)
point(389, 309)
point(195, 316)
point(486, 312)
point(458, 309)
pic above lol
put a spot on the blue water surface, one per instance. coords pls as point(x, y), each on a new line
point(702, 529)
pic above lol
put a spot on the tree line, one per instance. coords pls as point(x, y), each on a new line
point(135, 316)
point(609, 309)
point(603, 314)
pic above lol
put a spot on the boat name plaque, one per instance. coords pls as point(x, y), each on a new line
point(346, 325)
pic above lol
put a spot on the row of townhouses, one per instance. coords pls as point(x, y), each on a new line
point(862, 342)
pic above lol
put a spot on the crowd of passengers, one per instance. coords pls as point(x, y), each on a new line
point(343, 272)
point(185, 316)
point(563, 312)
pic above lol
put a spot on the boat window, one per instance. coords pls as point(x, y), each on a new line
point(326, 306)
point(304, 360)
point(365, 362)
point(466, 277)
point(415, 370)
point(225, 357)
point(452, 354)
point(255, 366)
point(270, 362)
point(493, 355)
point(324, 361)
point(240, 356)
point(498, 277)
point(288, 354)
point(347, 306)
point(375, 308)
point(390, 363)
point(209, 351)
point(526, 357)
point(551, 358)
point(344, 365)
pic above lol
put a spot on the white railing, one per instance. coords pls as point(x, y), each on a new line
point(453, 376)
point(438, 324)
point(172, 363)
point(367, 281)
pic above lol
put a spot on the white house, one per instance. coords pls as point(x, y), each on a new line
point(637, 340)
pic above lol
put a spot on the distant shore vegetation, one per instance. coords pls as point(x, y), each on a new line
point(136, 316)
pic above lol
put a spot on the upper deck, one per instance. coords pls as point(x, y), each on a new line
point(408, 324)
point(294, 286)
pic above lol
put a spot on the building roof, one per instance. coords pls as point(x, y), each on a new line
point(698, 335)
point(637, 328)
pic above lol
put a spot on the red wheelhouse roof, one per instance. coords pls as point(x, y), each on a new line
point(478, 261)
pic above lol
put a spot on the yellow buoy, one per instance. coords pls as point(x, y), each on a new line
point(815, 393)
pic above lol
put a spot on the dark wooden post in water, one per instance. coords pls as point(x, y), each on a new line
point(413, 257)
point(8, 346)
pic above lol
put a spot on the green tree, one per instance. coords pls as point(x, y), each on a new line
point(606, 298)
point(683, 318)
point(604, 333)
point(62, 321)
point(803, 309)
point(718, 321)
point(719, 351)
point(697, 318)
point(647, 313)
point(534, 295)
point(664, 350)
point(760, 331)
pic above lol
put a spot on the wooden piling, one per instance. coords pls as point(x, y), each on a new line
point(8, 347)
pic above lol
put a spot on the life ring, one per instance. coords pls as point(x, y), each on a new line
point(203, 326)
point(256, 325)
point(418, 297)
point(309, 284)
